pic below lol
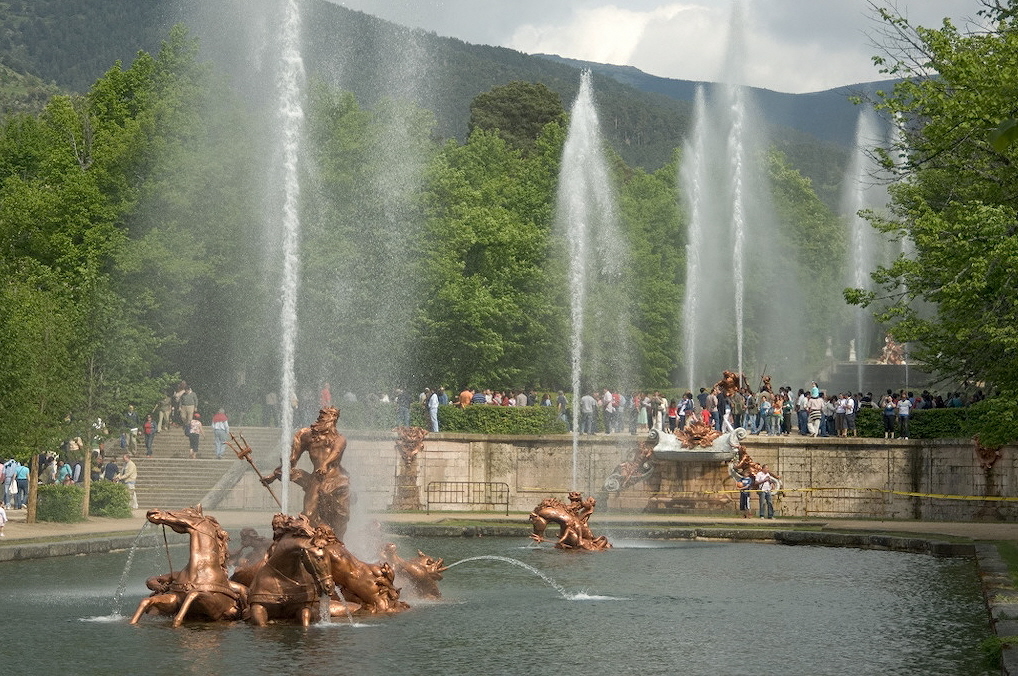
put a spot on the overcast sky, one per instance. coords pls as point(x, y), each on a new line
point(791, 45)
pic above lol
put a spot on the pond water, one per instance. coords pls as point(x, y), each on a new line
point(648, 607)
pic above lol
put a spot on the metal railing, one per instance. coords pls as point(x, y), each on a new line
point(474, 493)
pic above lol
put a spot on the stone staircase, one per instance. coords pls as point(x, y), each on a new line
point(169, 479)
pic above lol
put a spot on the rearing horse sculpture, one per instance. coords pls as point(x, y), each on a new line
point(203, 586)
point(294, 575)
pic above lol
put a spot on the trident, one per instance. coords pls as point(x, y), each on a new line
point(243, 450)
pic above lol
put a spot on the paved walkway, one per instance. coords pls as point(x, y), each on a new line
point(17, 530)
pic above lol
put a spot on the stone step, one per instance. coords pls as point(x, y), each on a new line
point(173, 443)
point(171, 483)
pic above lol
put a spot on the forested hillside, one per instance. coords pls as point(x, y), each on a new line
point(72, 42)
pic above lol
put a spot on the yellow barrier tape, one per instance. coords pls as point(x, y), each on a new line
point(910, 494)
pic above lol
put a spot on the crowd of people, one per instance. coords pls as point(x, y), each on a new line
point(54, 469)
point(808, 411)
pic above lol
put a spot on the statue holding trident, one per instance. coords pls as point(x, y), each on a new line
point(327, 486)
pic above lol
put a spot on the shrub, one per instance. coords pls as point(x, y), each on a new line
point(869, 422)
point(60, 503)
point(497, 420)
point(109, 499)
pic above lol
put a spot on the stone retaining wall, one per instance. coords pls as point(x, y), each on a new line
point(821, 477)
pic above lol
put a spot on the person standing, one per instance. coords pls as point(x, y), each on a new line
point(221, 431)
point(904, 410)
point(802, 412)
point(851, 407)
point(110, 470)
point(765, 484)
point(132, 423)
point(738, 403)
point(3, 520)
point(403, 400)
point(21, 475)
point(10, 472)
point(149, 429)
point(587, 406)
point(562, 405)
point(433, 409)
point(163, 410)
point(745, 484)
point(608, 407)
point(889, 407)
point(129, 477)
point(194, 431)
point(188, 405)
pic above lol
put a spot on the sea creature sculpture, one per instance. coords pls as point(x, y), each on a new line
point(574, 531)
point(422, 572)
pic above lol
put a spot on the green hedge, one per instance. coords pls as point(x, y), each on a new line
point(109, 499)
point(62, 504)
point(493, 419)
point(930, 423)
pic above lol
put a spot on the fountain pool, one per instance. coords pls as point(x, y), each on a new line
point(649, 607)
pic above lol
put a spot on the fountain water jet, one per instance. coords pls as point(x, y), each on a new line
point(118, 597)
point(693, 178)
point(742, 274)
point(292, 119)
point(516, 562)
point(586, 211)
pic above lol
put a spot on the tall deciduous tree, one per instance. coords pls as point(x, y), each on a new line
point(517, 112)
point(953, 296)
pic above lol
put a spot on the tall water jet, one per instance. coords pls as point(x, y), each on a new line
point(863, 191)
point(586, 212)
point(291, 114)
point(737, 159)
point(693, 179)
point(742, 278)
point(860, 244)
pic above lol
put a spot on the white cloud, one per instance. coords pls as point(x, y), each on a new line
point(791, 45)
point(607, 34)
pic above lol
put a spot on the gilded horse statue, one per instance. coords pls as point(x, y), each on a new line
point(202, 588)
point(294, 575)
point(572, 519)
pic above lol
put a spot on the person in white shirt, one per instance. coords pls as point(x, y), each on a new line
point(765, 484)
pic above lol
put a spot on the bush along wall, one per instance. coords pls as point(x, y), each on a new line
point(527, 420)
point(109, 499)
point(60, 503)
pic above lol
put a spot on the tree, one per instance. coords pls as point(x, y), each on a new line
point(955, 296)
point(518, 112)
point(489, 318)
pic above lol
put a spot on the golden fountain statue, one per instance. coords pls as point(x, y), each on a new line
point(572, 519)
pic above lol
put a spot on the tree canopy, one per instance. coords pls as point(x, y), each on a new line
point(953, 292)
